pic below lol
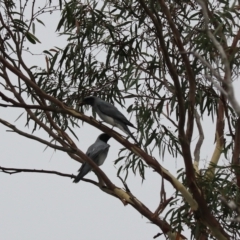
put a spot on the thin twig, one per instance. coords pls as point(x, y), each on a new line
point(9, 125)
point(19, 170)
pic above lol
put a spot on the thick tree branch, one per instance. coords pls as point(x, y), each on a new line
point(219, 141)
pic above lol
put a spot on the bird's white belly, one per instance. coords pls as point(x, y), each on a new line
point(106, 118)
point(110, 121)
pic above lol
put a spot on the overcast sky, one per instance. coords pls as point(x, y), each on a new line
point(42, 206)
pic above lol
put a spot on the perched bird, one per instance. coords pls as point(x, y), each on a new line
point(97, 152)
point(110, 114)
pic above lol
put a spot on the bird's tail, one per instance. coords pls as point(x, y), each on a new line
point(125, 129)
point(78, 178)
point(85, 168)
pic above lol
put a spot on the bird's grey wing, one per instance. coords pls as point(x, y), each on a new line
point(95, 150)
point(111, 111)
point(86, 167)
point(125, 129)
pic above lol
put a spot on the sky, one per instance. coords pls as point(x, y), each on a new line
point(42, 206)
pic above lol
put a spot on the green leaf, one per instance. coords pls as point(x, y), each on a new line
point(33, 28)
point(40, 21)
point(30, 38)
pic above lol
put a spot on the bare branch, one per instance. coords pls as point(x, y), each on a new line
point(19, 170)
point(168, 118)
point(64, 149)
point(199, 142)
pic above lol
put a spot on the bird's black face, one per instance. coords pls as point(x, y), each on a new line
point(88, 101)
point(104, 137)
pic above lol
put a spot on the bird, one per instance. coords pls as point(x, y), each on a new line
point(109, 114)
point(98, 152)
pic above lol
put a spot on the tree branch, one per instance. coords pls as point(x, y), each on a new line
point(199, 142)
point(64, 149)
point(219, 141)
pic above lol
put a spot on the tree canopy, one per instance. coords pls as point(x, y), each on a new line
point(172, 63)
